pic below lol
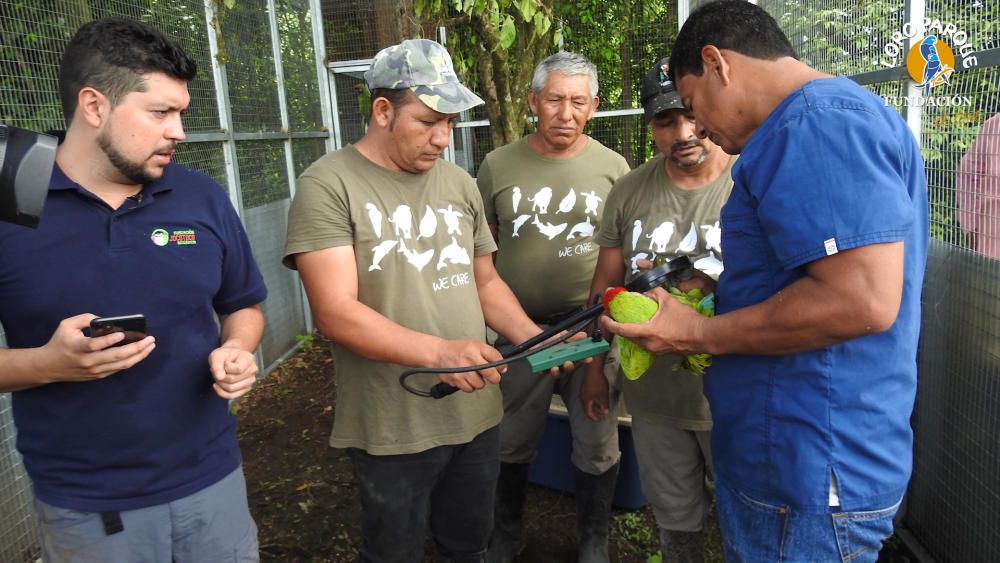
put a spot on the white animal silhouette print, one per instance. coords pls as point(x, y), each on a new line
point(636, 231)
point(451, 216)
point(592, 201)
point(661, 236)
point(713, 237)
point(515, 198)
point(584, 229)
point(453, 253)
point(517, 224)
point(636, 258)
point(379, 252)
point(428, 224)
point(709, 264)
point(689, 242)
point(567, 203)
point(417, 259)
point(540, 202)
point(375, 216)
point(402, 220)
point(548, 229)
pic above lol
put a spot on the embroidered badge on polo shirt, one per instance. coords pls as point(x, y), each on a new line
point(180, 237)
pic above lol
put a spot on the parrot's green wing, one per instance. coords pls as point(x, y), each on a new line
point(634, 359)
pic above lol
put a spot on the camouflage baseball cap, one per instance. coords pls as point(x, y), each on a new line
point(424, 67)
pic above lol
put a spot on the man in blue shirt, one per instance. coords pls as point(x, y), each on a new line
point(815, 339)
point(131, 449)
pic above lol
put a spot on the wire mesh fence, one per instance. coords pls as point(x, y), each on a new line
point(265, 141)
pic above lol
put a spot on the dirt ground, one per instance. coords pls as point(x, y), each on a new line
point(302, 492)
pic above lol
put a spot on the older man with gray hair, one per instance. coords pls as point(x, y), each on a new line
point(543, 197)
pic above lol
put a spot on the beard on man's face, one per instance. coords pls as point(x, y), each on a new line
point(134, 172)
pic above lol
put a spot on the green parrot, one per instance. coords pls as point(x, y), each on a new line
point(629, 307)
point(364, 105)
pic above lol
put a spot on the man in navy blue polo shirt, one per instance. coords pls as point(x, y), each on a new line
point(131, 449)
point(825, 236)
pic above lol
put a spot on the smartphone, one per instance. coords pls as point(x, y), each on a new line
point(134, 327)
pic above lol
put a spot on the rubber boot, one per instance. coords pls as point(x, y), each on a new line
point(682, 547)
point(505, 540)
point(593, 512)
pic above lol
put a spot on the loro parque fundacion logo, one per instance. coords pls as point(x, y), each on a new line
point(931, 61)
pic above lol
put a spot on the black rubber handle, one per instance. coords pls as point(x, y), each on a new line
point(442, 390)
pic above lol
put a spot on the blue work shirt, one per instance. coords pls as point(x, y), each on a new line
point(157, 431)
point(830, 169)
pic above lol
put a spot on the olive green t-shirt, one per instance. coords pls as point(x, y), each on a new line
point(648, 216)
point(547, 211)
point(415, 237)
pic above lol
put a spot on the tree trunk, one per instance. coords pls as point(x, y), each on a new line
point(76, 12)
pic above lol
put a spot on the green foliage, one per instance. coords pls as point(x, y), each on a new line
point(495, 45)
point(637, 536)
point(305, 341)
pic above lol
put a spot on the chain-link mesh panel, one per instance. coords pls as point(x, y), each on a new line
point(470, 146)
point(946, 135)
point(306, 152)
point(835, 36)
point(204, 157)
point(627, 135)
point(184, 20)
point(18, 534)
point(974, 21)
point(353, 106)
point(635, 35)
point(350, 30)
point(283, 310)
point(299, 64)
point(35, 34)
point(263, 174)
point(954, 495)
point(955, 491)
point(245, 46)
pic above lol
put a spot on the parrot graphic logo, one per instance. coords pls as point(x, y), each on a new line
point(930, 63)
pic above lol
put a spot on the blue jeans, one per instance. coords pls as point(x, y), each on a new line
point(756, 531)
point(452, 487)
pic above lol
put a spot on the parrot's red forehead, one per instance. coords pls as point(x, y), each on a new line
point(610, 294)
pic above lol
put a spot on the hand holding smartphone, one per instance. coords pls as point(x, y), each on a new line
point(134, 327)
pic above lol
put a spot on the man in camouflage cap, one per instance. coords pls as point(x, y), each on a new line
point(425, 68)
point(396, 257)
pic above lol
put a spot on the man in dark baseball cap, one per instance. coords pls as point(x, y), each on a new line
point(667, 208)
point(395, 254)
point(658, 93)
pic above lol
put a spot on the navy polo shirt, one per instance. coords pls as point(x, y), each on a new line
point(155, 432)
point(830, 169)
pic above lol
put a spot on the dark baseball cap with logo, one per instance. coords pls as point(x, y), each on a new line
point(658, 92)
point(424, 67)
